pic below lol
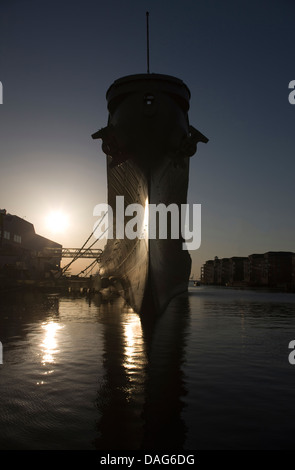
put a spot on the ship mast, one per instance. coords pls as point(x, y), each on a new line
point(147, 42)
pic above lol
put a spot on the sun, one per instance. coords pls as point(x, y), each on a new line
point(57, 221)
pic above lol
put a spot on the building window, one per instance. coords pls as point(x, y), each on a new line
point(17, 238)
point(6, 235)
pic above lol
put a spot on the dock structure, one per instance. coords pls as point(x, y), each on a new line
point(84, 253)
point(30, 260)
point(90, 253)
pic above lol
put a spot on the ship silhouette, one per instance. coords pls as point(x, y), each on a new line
point(148, 142)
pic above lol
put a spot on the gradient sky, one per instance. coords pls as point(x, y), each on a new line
point(57, 59)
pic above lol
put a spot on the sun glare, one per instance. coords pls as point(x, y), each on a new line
point(57, 221)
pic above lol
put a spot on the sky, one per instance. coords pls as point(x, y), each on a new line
point(57, 60)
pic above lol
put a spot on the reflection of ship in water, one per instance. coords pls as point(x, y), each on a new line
point(140, 399)
point(165, 384)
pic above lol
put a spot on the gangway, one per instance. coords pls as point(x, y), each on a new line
point(93, 253)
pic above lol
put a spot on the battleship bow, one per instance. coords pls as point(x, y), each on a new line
point(148, 142)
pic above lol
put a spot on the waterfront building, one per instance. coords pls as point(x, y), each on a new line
point(25, 255)
point(278, 269)
point(207, 273)
point(236, 276)
point(254, 270)
point(223, 271)
point(275, 269)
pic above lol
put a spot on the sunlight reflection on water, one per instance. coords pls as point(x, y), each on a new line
point(49, 345)
point(133, 346)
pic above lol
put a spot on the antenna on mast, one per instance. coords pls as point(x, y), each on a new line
point(147, 42)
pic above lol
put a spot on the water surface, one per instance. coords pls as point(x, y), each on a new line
point(213, 373)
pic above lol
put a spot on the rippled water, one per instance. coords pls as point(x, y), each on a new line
point(213, 373)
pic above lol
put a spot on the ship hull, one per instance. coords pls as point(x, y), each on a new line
point(124, 262)
point(148, 142)
point(148, 273)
